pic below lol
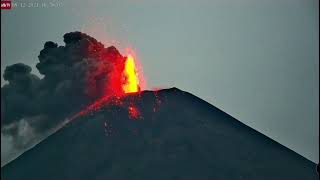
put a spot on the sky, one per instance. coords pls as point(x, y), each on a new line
point(256, 60)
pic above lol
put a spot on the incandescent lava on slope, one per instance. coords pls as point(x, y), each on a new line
point(124, 78)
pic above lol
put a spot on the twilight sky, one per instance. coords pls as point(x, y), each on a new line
point(256, 60)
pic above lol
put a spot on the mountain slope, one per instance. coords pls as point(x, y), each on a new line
point(175, 136)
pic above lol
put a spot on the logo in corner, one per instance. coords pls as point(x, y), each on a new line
point(6, 5)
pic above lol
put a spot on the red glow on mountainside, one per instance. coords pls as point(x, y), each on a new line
point(126, 77)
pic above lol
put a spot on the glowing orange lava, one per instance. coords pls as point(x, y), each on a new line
point(133, 112)
point(132, 80)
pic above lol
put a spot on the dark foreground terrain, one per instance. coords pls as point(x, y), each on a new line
point(176, 136)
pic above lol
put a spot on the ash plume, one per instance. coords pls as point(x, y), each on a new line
point(73, 76)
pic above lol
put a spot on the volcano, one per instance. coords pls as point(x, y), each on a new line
point(158, 135)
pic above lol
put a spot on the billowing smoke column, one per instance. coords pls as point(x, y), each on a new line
point(75, 75)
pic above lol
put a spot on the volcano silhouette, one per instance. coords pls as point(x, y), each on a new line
point(177, 136)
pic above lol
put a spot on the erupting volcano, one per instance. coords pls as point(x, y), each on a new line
point(122, 133)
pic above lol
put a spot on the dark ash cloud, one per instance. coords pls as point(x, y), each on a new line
point(74, 75)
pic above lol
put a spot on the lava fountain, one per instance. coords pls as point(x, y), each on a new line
point(131, 84)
